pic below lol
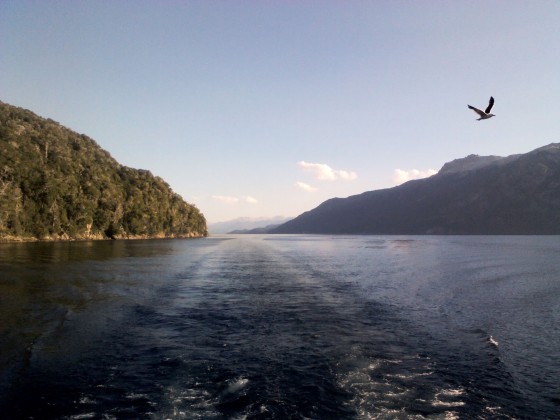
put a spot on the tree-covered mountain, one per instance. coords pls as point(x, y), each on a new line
point(58, 184)
point(518, 194)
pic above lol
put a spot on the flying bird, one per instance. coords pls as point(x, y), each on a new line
point(484, 115)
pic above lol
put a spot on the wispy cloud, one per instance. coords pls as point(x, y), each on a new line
point(249, 199)
point(401, 176)
point(305, 187)
point(324, 172)
point(227, 199)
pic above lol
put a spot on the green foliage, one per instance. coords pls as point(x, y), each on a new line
point(55, 183)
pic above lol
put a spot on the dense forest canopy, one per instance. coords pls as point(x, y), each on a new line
point(58, 184)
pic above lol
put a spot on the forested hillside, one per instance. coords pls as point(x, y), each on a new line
point(57, 184)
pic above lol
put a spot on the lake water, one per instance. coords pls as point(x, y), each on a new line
point(281, 327)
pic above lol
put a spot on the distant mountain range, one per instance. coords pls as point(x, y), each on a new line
point(259, 230)
point(247, 224)
point(518, 194)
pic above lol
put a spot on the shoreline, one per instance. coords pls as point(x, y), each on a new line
point(15, 239)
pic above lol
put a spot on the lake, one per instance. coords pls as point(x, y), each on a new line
point(282, 326)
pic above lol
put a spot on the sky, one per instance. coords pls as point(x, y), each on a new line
point(268, 108)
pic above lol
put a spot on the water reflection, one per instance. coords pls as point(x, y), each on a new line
point(47, 288)
point(62, 252)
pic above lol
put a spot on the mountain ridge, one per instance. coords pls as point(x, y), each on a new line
point(246, 224)
point(517, 194)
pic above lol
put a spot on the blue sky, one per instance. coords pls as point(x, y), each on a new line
point(268, 108)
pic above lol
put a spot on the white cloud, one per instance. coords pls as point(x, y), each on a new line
point(249, 199)
point(402, 176)
point(227, 199)
point(305, 187)
point(324, 172)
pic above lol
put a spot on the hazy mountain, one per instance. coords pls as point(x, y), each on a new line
point(259, 230)
point(58, 184)
point(246, 224)
point(518, 194)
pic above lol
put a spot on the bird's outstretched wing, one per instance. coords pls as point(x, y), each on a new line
point(490, 105)
point(478, 111)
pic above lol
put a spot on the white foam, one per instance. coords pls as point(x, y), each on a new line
point(397, 393)
point(377, 395)
point(452, 392)
point(188, 403)
point(84, 399)
point(447, 395)
point(84, 416)
point(409, 375)
point(493, 410)
point(439, 403)
point(134, 396)
point(237, 385)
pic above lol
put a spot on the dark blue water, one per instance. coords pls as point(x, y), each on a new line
point(281, 327)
